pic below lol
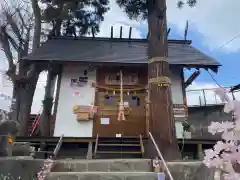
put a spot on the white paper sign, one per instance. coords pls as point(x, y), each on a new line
point(105, 121)
point(126, 104)
point(119, 135)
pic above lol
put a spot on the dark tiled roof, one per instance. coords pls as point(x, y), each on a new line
point(105, 50)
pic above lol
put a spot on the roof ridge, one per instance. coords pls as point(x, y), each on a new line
point(175, 41)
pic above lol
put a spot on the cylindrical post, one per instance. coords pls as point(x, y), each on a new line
point(204, 97)
point(200, 101)
point(215, 98)
point(233, 96)
point(200, 151)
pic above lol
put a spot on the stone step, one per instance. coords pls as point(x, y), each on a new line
point(118, 156)
point(119, 152)
point(105, 176)
point(116, 165)
point(107, 144)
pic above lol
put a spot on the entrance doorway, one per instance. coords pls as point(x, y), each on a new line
point(106, 123)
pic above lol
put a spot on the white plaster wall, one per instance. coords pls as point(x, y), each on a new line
point(66, 122)
point(176, 86)
point(177, 97)
point(179, 129)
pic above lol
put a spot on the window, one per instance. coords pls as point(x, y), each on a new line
point(109, 100)
point(134, 101)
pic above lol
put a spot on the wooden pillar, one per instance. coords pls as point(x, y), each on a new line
point(147, 112)
point(46, 116)
point(89, 153)
point(200, 151)
point(55, 105)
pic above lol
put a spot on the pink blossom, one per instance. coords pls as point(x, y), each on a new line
point(47, 166)
point(216, 127)
point(225, 154)
point(222, 93)
point(228, 136)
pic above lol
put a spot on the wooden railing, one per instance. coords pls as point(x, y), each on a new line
point(161, 156)
point(206, 97)
point(142, 146)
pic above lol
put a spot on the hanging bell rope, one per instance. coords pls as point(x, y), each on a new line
point(121, 116)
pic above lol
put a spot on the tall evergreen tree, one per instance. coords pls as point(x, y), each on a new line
point(74, 17)
point(161, 121)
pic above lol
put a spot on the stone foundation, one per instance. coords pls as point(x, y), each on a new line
point(192, 170)
point(26, 168)
point(21, 149)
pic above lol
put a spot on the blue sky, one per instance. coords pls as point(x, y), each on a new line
point(228, 72)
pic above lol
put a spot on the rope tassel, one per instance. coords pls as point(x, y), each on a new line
point(121, 116)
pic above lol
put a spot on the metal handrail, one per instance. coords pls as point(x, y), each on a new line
point(96, 146)
point(161, 156)
point(58, 147)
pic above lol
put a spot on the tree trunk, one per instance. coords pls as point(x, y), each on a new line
point(161, 122)
point(24, 97)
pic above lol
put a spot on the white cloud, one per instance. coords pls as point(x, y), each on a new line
point(6, 88)
point(215, 20)
point(116, 17)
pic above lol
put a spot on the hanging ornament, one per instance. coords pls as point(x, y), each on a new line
point(114, 92)
point(121, 116)
point(128, 93)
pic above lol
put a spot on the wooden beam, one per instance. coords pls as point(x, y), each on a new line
point(191, 79)
point(186, 31)
point(111, 31)
point(168, 32)
point(130, 33)
point(121, 28)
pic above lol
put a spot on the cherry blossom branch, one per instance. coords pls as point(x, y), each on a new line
point(226, 153)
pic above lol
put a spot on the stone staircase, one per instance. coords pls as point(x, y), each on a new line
point(108, 169)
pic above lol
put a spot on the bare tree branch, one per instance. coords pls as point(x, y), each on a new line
point(37, 25)
point(6, 46)
point(13, 42)
point(16, 23)
point(13, 25)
